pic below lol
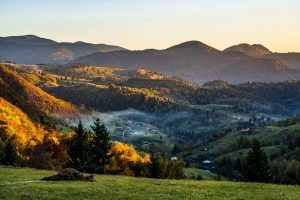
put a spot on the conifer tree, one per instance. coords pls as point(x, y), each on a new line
point(101, 144)
point(78, 146)
point(256, 167)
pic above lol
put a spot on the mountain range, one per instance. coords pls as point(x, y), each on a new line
point(199, 63)
point(31, 49)
point(193, 60)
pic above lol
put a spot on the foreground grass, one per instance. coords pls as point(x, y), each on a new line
point(23, 183)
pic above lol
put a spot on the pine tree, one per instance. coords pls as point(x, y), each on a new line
point(101, 144)
point(256, 168)
point(78, 146)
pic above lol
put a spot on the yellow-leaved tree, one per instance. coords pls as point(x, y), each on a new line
point(127, 161)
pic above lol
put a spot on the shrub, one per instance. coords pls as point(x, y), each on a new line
point(286, 172)
point(164, 167)
point(48, 154)
point(125, 160)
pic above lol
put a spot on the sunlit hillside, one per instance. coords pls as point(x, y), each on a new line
point(35, 95)
point(19, 124)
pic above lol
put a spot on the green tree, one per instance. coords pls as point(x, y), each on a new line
point(164, 167)
point(78, 146)
point(100, 145)
point(256, 167)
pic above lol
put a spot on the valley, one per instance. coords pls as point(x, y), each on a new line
point(158, 113)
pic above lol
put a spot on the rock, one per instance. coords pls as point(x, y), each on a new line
point(69, 174)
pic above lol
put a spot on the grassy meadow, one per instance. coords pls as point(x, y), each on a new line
point(270, 136)
point(24, 183)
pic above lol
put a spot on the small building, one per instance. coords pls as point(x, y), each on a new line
point(207, 164)
point(174, 158)
point(245, 130)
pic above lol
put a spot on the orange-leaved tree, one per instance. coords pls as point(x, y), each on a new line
point(126, 160)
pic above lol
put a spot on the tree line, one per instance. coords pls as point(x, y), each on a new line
point(87, 150)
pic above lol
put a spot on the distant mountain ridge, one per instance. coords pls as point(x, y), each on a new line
point(193, 60)
point(28, 39)
point(197, 62)
point(31, 49)
point(292, 59)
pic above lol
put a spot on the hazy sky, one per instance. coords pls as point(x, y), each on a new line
point(140, 24)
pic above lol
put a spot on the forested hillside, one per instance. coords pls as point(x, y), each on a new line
point(18, 125)
point(158, 113)
point(17, 88)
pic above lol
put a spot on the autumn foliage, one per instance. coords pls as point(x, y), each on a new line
point(35, 95)
point(125, 159)
point(18, 124)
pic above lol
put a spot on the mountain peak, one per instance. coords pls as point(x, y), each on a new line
point(28, 40)
point(80, 42)
point(254, 50)
point(29, 36)
point(193, 45)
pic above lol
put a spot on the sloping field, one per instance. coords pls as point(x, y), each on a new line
point(24, 183)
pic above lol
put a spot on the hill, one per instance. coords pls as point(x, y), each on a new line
point(19, 124)
point(26, 95)
point(28, 40)
point(273, 138)
point(280, 141)
point(152, 110)
point(73, 80)
point(255, 50)
point(197, 62)
point(291, 59)
point(26, 183)
point(31, 49)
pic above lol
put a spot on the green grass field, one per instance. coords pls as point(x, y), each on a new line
point(24, 183)
point(205, 174)
point(271, 135)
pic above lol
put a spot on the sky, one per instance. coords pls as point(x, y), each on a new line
point(142, 24)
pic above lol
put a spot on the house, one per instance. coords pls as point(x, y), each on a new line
point(174, 158)
point(245, 130)
point(207, 164)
